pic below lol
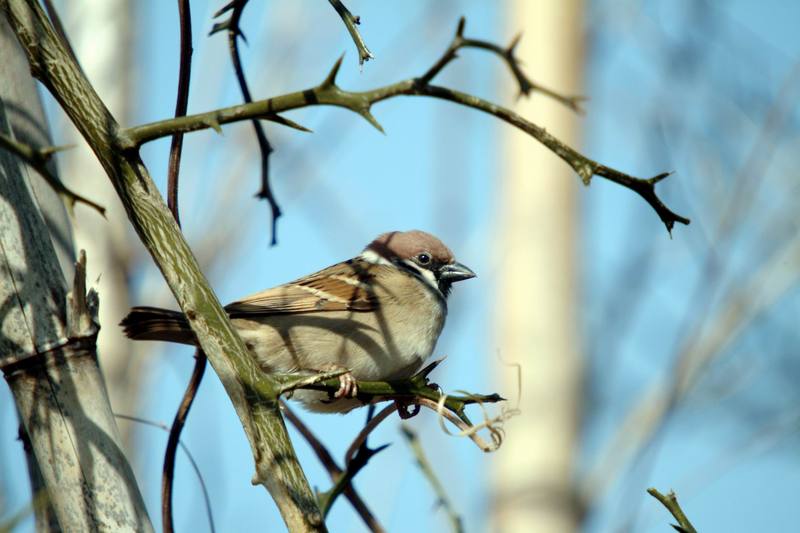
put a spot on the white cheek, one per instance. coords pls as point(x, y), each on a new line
point(427, 275)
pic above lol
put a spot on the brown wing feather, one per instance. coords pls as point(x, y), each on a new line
point(342, 287)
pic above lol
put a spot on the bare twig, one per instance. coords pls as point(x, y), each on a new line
point(173, 170)
point(231, 25)
point(370, 426)
point(168, 472)
point(195, 467)
point(334, 471)
point(413, 391)
point(38, 158)
point(328, 93)
point(184, 75)
point(526, 85)
point(441, 494)
point(670, 501)
point(350, 23)
point(355, 461)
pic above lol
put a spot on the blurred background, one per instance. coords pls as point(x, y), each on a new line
point(647, 359)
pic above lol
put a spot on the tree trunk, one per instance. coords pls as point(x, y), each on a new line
point(253, 393)
point(47, 345)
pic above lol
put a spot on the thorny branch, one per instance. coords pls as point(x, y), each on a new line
point(334, 471)
point(350, 23)
point(189, 456)
point(427, 469)
point(413, 390)
point(328, 93)
point(670, 501)
point(231, 26)
point(416, 390)
point(253, 393)
point(38, 159)
point(355, 461)
point(526, 85)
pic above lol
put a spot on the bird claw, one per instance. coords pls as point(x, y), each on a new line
point(348, 387)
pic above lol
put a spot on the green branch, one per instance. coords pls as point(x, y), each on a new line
point(407, 390)
point(328, 93)
point(350, 23)
point(334, 472)
point(253, 392)
point(670, 501)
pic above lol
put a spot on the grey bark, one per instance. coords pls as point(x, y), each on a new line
point(48, 335)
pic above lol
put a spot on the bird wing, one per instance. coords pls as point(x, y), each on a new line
point(346, 286)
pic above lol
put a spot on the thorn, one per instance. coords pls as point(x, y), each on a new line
point(585, 172)
point(656, 179)
point(371, 119)
point(48, 151)
point(430, 368)
point(287, 122)
point(460, 28)
point(330, 81)
point(514, 43)
point(69, 204)
point(213, 123)
point(224, 9)
point(219, 26)
point(379, 449)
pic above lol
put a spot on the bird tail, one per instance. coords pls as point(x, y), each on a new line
point(155, 324)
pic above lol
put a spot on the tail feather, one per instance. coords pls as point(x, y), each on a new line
point(155, 324)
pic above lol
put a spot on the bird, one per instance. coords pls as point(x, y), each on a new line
point(375, 317)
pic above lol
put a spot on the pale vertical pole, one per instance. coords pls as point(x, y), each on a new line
point(537, 323)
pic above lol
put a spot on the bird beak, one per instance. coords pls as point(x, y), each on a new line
point(455, 272)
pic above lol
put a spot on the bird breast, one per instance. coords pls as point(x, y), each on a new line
point(389, 342)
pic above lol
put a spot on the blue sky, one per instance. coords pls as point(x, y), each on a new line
point(435, 169)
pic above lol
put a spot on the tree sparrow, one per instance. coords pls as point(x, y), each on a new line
point(377, 315)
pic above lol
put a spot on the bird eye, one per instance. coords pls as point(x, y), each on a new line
point(423, 259)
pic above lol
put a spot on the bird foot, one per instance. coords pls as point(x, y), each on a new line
point(348, 387)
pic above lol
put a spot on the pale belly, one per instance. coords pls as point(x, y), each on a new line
point(376, 346)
